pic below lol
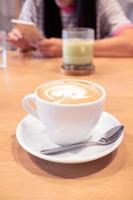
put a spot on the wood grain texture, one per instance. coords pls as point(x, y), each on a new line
point(26, 177)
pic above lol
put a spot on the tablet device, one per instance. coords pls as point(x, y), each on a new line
point(28, 29)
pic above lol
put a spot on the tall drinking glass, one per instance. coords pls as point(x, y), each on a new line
point(3, 58)
point(78, 51)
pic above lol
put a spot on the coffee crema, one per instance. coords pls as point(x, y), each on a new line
point(68, 92)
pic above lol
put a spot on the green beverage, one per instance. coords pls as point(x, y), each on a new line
point(78, 52)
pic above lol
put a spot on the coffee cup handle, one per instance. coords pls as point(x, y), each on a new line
point(27, 106)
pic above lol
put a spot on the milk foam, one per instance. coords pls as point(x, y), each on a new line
point(61, 92)
point(69, 92)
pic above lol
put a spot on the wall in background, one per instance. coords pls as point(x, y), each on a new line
point(8, 9)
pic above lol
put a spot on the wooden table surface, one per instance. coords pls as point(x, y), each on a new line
point(25, 177)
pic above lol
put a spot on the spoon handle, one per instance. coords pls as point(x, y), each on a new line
point(65, 148)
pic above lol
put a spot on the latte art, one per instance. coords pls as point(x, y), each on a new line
point(69, 92)
point(62, 92)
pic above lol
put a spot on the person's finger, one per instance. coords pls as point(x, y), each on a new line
point(45, 43)
point(14, 35)
point(49, 52)
point(11, 37)
point(17, 33)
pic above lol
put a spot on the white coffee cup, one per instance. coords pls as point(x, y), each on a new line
point(66, 110)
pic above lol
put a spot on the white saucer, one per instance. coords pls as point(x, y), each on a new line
point(32, 136)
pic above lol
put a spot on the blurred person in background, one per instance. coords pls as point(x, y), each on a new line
point(113, 31)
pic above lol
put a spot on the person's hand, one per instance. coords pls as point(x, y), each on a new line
point(50, 47)
point(16, 38)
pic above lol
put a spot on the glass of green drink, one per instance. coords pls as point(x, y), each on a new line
point(78, 51)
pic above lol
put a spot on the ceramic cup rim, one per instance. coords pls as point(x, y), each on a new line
point(97, 86)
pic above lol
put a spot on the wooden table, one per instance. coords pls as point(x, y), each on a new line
point(25, 177)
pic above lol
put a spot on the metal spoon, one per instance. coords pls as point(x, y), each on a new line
point(109, 137)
